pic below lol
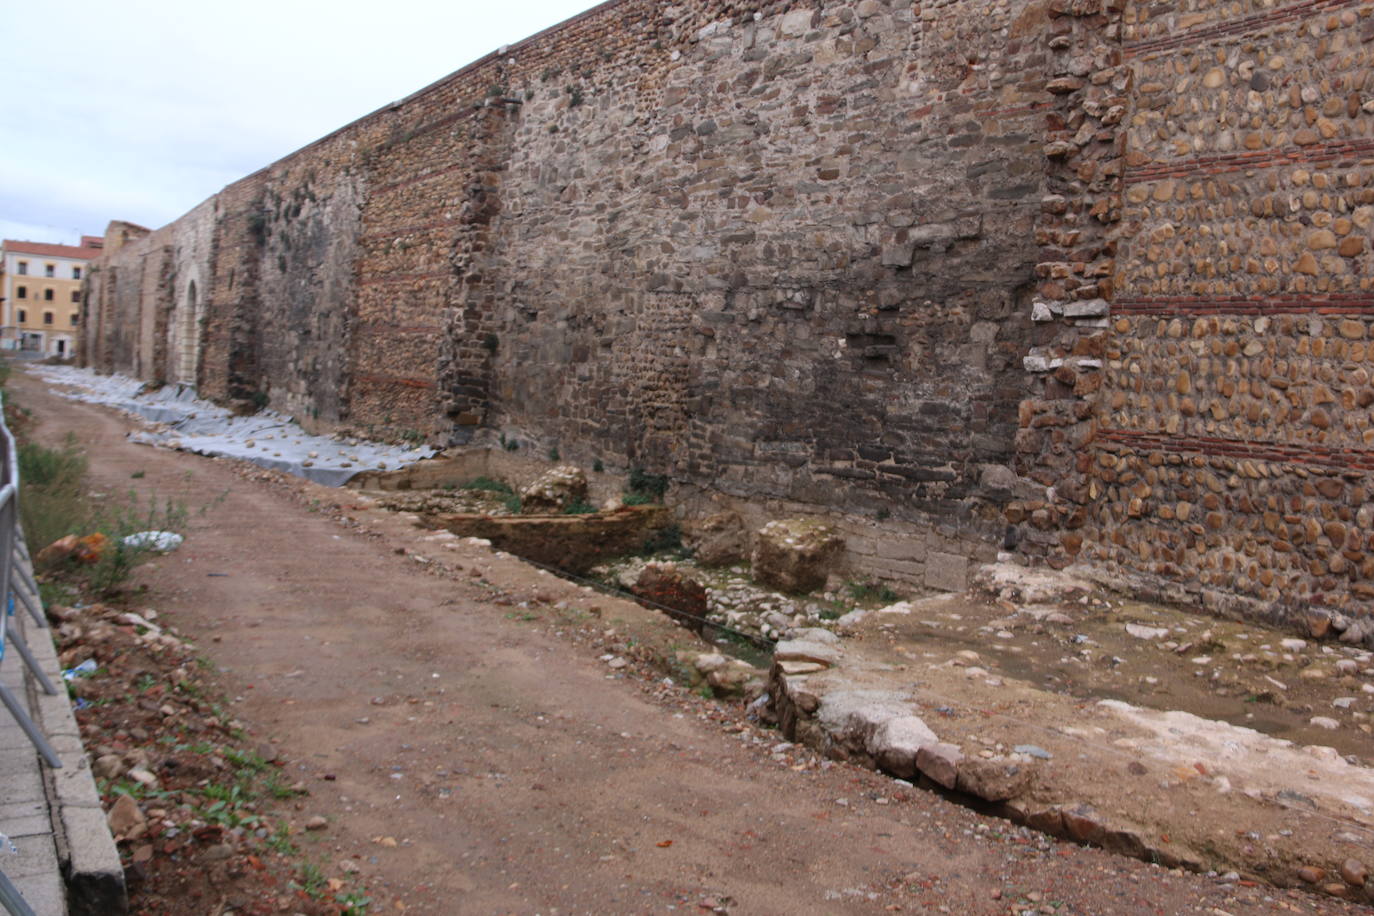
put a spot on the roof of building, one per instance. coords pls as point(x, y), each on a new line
point(44, 250)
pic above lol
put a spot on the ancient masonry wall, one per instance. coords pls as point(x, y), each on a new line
point(1235, 442)
point(1080, 277)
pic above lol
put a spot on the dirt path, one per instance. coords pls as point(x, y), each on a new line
point(516, 771)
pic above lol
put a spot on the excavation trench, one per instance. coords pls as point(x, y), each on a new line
point(1148, 730)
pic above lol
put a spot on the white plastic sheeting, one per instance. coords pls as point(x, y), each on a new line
point(183, 421)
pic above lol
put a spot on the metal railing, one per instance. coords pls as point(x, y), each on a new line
point(18, 586)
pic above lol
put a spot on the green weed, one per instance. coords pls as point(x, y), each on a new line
point(872, 591)
point(488, 484)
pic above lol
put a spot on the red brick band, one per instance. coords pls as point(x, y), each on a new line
point(388, 234)
point(377, 329)
point(427, 176)
point(1335, 304)
point(1347, 459)
point(401, 278)
point(1321, 154)
point(387, 381)
point(1295, 13)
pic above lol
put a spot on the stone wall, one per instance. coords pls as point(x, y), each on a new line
point(1089, 278)
point(1233, 455)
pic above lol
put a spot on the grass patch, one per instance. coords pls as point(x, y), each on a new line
point(53, 482)
point(644, 487)
point(579, 508)
point(54, 504)
point(489, 485)
point(870, 592)
point(666, 538)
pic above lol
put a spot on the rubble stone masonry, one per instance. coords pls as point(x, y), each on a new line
point(1086, 277)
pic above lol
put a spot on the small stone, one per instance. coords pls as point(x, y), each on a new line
point(1311, 874)
point(940, 762)
point(317, 822)
point(1321, 239)
point(1324, 722)
point(1354, 873)
point(124, 816)
point(108, 766)
point(1293, 645)
point(143, 776)
point(993, 779)
point(1083, 823)
point(218, 852)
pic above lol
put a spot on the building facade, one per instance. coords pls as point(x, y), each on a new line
point(40, 294)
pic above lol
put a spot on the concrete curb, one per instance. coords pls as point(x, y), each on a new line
point(86, 850)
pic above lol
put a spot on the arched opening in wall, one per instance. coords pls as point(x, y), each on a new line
point(188, 336)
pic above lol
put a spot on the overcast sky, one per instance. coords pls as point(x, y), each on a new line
point(141, 109)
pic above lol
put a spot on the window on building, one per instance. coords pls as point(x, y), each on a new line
point(76, 273)
point(47, 317)
point(22, 268)
point(75, 318)
point(76, 295)
point(49, 270)
point(21, 292)
point(23, 316)
point(47, 295)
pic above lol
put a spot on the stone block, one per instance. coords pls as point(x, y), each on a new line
point(1086, 308)
point(796, 555)
point(940, 762)
point(946, 571)
point(796, 23)
point(896, 743)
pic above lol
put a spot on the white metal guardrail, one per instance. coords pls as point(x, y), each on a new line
point(18, 586)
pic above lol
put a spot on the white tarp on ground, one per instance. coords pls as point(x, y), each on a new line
point(183, 421)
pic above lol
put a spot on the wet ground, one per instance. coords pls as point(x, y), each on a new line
point(1104, 647)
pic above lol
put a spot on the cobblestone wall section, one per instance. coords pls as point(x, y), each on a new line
point(1233, 453)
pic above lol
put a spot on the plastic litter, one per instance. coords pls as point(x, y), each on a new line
point(162, 541)
point(85, 669)
point(268, 439)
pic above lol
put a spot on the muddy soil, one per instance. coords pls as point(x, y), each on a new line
point(515, 737)
point(1101, 646)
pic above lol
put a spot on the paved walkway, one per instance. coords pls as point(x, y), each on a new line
point(24, 812)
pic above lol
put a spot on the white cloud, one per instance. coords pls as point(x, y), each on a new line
point(139, 110)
